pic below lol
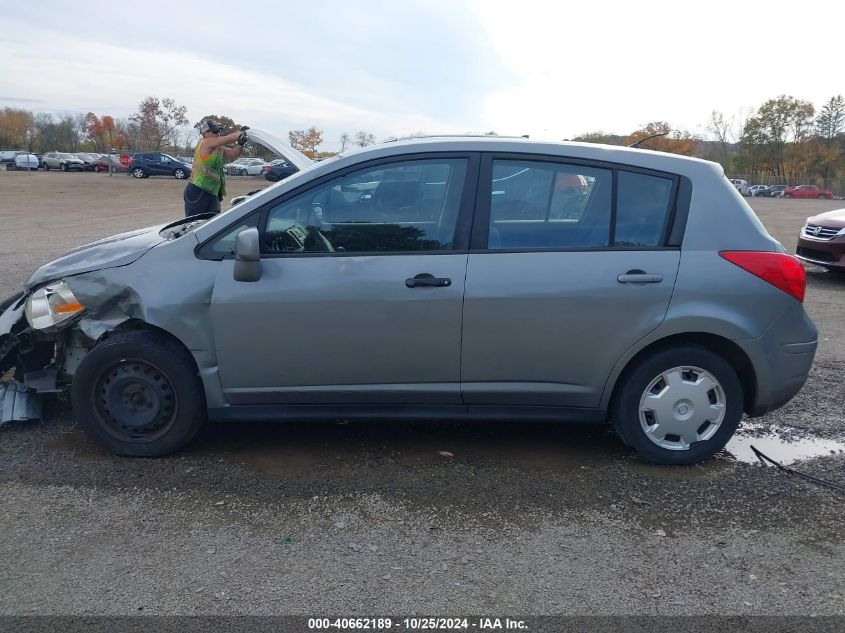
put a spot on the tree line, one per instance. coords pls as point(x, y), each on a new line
point(157, 124)
point(785, 140)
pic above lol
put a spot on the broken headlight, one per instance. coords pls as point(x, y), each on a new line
point(50, 305)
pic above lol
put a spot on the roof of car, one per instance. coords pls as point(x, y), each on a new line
point(587, 151)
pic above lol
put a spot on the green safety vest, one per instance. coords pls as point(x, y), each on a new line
point(208, 174)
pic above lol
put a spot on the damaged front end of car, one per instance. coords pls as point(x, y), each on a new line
point(67, 307)
point(38, 348)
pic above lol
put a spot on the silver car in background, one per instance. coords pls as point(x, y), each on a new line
point(453, 277)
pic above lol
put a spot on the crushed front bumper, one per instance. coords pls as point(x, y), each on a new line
point(18, 404)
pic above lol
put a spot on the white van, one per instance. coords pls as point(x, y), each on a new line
point(742, 186)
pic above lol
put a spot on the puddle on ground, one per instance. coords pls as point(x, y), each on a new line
point(781, 448)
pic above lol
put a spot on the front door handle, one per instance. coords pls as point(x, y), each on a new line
point(638, 276)
point(427, 279)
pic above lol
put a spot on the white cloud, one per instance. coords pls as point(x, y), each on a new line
point(101, 74)
point(615, 66)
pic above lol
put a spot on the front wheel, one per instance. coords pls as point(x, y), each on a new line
point(180, 174)
point(678, 406)
point(97, 168)
point(139, 173)
point(139, 394)
point(64, 167)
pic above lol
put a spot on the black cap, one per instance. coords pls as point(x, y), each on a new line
point(210, 125)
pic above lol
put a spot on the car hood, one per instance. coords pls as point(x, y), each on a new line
point(280, 147)
point(117, 250)
point(833, 219)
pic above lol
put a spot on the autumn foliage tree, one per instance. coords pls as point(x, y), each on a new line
point(158, 121)
point(102, 133)
point(306, 141)
point(674, 141)
point(15, 128)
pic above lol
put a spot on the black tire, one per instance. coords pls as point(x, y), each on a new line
point(139, 394)
point(180, 174)
point(46, 167)
point(63, 167)
point(242, 172)
point(97, 168)
point(139, 172)
point(625, 407)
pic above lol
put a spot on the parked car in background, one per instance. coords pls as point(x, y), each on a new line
point(7, 156)
point(469, 287)
point(26, 162)
point(278, 169)
point(101, 162)
point(822, 240)
point(775, 191)
point(807, 191)
point(245, 166)
point(87, 159)
point(758, 190)
point(62, 161)
point(741, 186)
point(148, 164)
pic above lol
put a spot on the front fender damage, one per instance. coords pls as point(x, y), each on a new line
point(17, 402)
point(35, 362)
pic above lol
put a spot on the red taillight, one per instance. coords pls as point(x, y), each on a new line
point(784, 272)
point(266, 170)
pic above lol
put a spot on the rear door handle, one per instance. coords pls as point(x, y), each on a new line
point(638, 276)
point(427, 279)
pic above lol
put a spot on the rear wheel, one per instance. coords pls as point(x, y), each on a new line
point(679, 405)
point(139, 394)
point(97, 168)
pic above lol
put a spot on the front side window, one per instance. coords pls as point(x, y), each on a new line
point(549, 205)
point(393, 207)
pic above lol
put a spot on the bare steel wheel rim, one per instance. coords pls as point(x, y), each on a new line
point(135, 400)
point(682, 406)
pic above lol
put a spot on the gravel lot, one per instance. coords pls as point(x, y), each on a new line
point(370, 519)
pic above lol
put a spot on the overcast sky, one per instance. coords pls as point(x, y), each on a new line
point(398, 67)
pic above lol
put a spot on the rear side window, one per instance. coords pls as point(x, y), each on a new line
point(554, 205)
point(549, 205)
point(642, 208)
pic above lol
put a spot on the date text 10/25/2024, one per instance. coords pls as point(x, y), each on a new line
point(417, 624)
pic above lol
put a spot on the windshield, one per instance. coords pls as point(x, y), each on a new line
point(66, 156)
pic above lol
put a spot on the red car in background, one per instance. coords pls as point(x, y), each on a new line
point(807, 191)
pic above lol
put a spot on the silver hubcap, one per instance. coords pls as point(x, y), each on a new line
point(681, 406)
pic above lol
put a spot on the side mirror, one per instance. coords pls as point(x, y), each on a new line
point(247, 256)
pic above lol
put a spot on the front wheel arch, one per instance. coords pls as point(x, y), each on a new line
point(149, 356)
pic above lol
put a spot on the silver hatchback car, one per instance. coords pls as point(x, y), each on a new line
point(486, 278)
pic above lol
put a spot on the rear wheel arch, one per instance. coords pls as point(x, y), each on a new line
point(724, 347)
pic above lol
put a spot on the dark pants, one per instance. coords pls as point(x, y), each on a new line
point(199, 201)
